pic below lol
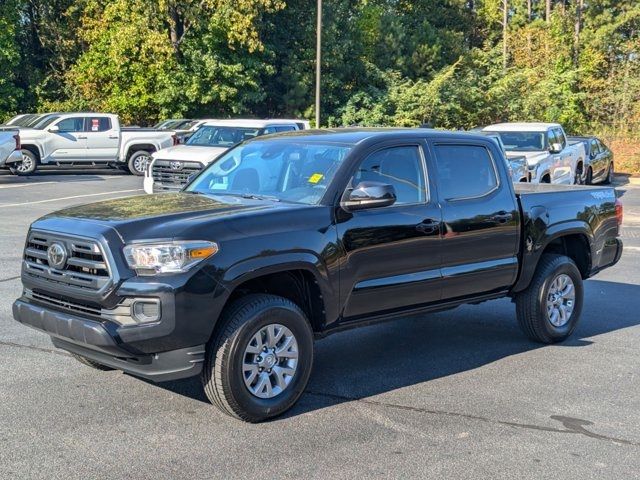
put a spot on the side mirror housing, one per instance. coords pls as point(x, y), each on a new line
point(555, 148)
point(369, 195)
point(54, 129)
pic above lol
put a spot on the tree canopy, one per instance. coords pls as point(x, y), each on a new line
point(452, 63)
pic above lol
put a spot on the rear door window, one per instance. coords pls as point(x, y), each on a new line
point(98, 124)
point(465, 171)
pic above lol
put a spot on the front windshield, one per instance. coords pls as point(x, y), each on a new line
point(44, 122)
point(212, 136)
point(523, 141)
point(288, 171)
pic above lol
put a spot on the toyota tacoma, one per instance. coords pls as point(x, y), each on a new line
point(288, 238)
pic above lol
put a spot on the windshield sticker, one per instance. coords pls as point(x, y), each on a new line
point(315, 178)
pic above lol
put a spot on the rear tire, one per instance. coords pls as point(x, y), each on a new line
point(539, 307)
point(231, 376)
point(138, 162)
point(90, 363)
point(27, 166)
point(579, 178)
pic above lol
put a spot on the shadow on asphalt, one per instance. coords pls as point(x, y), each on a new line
point(45, 174)
point(369, 361)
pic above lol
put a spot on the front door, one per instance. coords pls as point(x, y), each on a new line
point(103, 139)
point(392, 254)
point(69, 142)
point(481, 228)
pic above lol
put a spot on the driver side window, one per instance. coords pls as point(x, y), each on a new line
point(73, 124)
point(401, 167)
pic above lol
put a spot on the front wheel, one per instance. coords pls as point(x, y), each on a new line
point(610, 174)
point(138, 162)
point(549, 309)
point(589, 178)
point(27, 166)
point(259, 362)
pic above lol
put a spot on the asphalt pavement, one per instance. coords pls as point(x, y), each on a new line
point(459, 394)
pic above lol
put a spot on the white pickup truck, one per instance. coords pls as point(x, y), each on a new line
point(89, 139)
point(551, 158)
point(171, 168)
point(9, 148)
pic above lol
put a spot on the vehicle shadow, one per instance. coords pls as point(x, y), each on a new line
point(369, 361)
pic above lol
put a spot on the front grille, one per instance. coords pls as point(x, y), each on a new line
point(172, 174)
point(85, 266)
point(59, 302)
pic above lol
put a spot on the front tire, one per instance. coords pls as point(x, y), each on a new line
point(549, 309)
point(27, 166)
point(138, 162)
point(589, 178)
point(90, 363)
point(610, 174)
point(259, 362)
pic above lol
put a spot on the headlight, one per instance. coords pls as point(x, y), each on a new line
point(173, 257)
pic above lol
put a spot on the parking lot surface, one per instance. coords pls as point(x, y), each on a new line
point(459, 394)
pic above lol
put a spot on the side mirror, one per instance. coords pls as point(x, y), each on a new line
point(555, 148)
point(369, 195)
point(54, 129)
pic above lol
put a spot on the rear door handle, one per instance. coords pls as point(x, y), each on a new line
point(80, 137)
point(427, 227)
point(114, 136)
point(502, 217)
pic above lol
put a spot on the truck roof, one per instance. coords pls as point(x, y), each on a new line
point(521, 127)
point(353, 136)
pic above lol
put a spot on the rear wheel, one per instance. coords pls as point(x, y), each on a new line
point(546, 179)
point(259, 362)
point(27, 166)
point(90, 363)
point(138, 162)
point(549, 309)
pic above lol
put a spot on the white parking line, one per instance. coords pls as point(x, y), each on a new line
point(16, 185)
point(68, 198)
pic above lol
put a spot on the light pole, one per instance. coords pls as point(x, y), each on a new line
point(318, 57)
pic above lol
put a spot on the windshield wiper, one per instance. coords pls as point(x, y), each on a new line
point(253, 196)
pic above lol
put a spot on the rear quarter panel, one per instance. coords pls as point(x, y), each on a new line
point(552, 211)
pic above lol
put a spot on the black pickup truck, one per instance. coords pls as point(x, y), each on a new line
point(291, 237)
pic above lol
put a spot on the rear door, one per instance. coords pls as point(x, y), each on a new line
point(481, 228)
point(69, 143)
point(103, 139)
point(566, 167)
point(392, 253)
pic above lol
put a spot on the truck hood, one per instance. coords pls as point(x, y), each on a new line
point(190, 153)
point(533, 158)
point(160, 216)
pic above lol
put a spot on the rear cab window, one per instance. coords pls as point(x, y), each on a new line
point(98, 124)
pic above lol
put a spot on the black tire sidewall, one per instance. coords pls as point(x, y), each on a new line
point(560, 333)
point(259, 408)
point(589, 178)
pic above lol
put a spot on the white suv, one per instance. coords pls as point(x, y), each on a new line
point(171, 167)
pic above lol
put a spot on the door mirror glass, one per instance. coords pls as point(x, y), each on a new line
point(369, 195)
point(555, 147)
point(54, 129)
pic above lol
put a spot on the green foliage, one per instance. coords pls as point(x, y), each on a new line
point(385, 62)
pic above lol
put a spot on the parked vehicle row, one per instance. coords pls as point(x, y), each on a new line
point(551, 157)
point(289, 237)
point(171, 168)
point(599, 167)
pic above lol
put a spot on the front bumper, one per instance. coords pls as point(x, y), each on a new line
point(100, 341)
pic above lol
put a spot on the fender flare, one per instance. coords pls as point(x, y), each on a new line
point(530, 259)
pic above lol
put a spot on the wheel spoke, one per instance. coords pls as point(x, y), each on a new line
point(252, 368)
point(279, 374)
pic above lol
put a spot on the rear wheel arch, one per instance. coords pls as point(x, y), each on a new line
point(147, 147)
point(572, 244)
point(33, 149)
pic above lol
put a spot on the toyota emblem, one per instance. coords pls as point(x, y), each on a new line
point(176, 165)
point(57, 255)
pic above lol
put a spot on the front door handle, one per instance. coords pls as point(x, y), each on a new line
point(427, 227)
point(80, 137)
point(114, 136)
point(502, 217)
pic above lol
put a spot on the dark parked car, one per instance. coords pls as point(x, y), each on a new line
point(599, 166)
point(287, 238)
